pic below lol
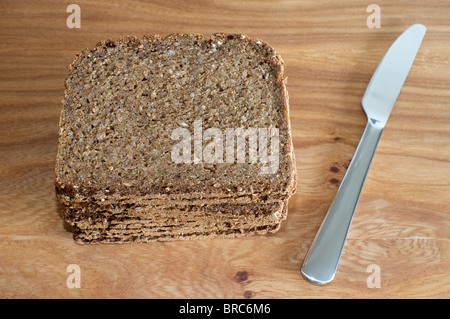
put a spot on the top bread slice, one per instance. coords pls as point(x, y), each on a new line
point(128, 103)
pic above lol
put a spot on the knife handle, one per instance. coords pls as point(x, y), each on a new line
point(323, 257)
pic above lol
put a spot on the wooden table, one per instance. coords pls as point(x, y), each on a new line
point(399, 240)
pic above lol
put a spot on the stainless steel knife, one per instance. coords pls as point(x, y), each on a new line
point(381, 94)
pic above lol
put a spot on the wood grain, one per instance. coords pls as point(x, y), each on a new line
point(402, 221)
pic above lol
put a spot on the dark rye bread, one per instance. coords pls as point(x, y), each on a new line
point(124, 99)
point(165, 202)
point(137, 224)
point(115, 173)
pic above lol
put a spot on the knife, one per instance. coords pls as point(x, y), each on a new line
point(322, 260)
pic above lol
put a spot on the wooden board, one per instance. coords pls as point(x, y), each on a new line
point(402, 222)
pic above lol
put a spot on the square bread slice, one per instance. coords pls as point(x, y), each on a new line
point(179, 120)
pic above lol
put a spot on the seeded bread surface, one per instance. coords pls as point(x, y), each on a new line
point(124, 99)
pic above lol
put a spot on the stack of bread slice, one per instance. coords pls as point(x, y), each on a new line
point(174, 138)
